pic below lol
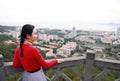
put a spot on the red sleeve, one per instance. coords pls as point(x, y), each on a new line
point(16, 60)
point(40, 60)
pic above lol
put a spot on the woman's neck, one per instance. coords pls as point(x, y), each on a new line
point(27, 41)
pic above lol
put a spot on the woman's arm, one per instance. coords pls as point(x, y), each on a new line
point(40, 60)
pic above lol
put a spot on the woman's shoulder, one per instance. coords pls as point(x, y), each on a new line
point(33, 47)
point(18, 47)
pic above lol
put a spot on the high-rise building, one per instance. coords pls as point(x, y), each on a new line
point(74, 32)
point(118, 31)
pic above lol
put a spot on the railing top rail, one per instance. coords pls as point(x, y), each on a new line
point(88, 60)
point(107, 63)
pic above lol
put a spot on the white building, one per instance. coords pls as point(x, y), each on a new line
point(43, 37)
point(15, 34)
point(118, 31)
point(106, 40)
point(66, 49)
point(46, 38)
point(85, 39)
point(74, 32)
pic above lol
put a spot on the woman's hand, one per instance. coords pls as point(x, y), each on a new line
point(60, 60)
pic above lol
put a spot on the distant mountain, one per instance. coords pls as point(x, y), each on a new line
point(111, 24)
point(6, 28)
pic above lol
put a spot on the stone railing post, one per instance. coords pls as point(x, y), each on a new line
point(89, 63)
point(2, 70)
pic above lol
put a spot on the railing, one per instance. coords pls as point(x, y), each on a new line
point(89, 62)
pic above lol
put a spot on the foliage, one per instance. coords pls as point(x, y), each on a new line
point(43, 53)
point(5, 38)
point(6, 28)
point(7, 51)
point(112, 51)
point(111, 76)
point(54, 32)
point(54, 50)
point(14, 76)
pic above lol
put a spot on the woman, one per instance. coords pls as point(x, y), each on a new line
point(29, 57)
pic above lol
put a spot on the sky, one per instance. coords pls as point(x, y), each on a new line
point(61, 14)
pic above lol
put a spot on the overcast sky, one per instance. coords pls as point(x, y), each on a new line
point(64, 14)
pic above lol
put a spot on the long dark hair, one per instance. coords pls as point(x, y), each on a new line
point(27, 29)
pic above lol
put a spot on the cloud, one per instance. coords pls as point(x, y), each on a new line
point(57, 12)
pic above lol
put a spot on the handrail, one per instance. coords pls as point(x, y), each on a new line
point(89, 61)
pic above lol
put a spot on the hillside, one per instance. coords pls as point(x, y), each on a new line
point(6, 28)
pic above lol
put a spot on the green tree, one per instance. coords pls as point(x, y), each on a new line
point(54, 50)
